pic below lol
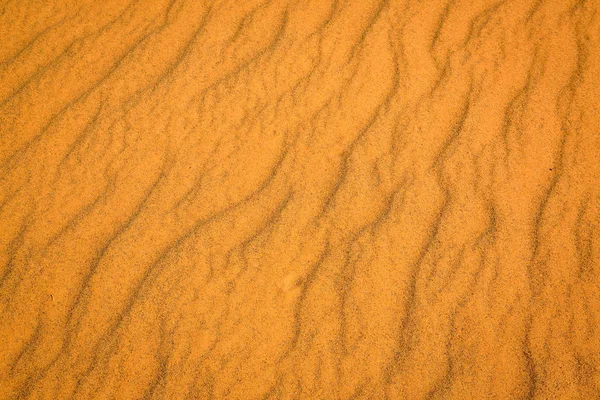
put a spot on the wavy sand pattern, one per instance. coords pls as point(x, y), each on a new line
point(290, 199)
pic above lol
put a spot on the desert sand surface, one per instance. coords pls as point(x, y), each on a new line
point(300, 199)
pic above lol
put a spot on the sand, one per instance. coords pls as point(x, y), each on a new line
point(300, 199)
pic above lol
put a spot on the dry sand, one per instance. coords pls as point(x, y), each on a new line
point(300, 199)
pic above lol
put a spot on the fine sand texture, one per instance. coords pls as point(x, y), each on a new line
point(299, 199)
